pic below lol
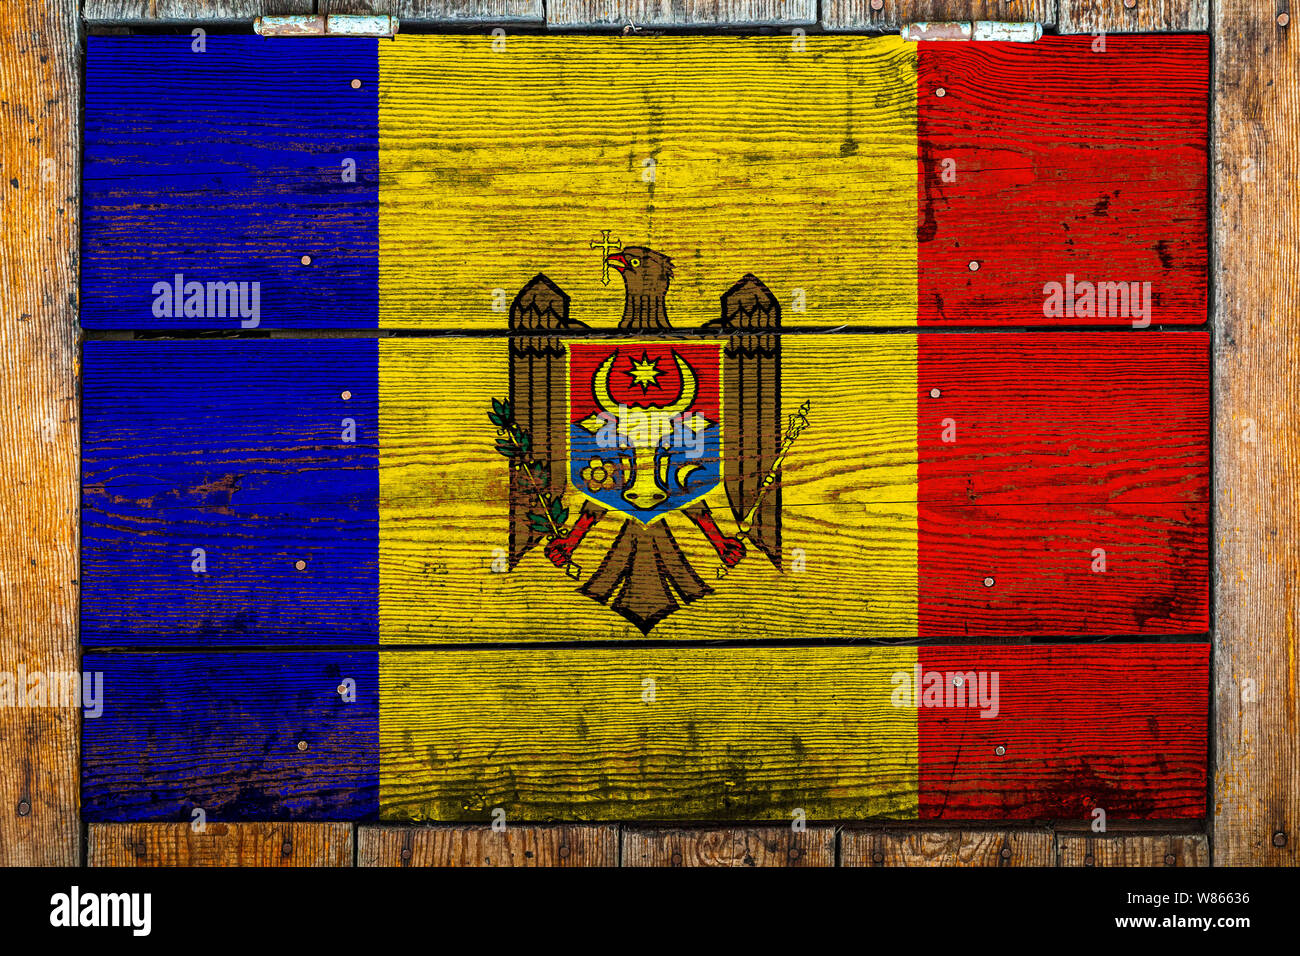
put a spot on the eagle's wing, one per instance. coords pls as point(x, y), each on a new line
point(751, 401)
point(537, 397)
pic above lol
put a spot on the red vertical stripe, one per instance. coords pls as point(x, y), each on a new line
point(1119, 727)
point(1039, 160)
point(1066, 449)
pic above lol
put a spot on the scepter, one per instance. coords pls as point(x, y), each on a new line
point(798, 422)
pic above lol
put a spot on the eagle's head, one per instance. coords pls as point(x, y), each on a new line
point(645, 272)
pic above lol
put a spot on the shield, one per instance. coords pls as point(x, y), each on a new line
point(645, 424)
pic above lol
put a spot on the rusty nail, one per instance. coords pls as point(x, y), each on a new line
point(1279, 838)
point(677, 859)
point(564, 852)
point(794, 853)
point(24, 808)
point(1283, 19)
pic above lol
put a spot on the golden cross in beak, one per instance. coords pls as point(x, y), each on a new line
point(606, 245)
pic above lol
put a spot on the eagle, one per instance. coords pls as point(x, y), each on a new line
point(645, 575)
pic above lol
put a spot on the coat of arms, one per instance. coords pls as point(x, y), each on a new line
point(643, 423)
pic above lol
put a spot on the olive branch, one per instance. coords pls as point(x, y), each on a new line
point(516, 445)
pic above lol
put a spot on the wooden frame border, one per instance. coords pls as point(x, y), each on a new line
point(1256, 235)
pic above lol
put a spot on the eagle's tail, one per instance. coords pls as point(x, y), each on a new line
point(644, 571)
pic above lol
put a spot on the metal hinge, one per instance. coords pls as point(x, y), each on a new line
point(973, 30)
point(326, 25)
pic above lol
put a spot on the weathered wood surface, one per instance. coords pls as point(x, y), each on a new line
point(1142, 16)
point(650, 734)
point(39, 73)
point(657, 13)
point(1130, 850)
point(476, 147)
point(1072, 499)
point(1257, 525)
point(947, 848)
point(199, 11)
point(219, 844)
point(516, 845)
point(893, 14)
point(442, 11)
point(1042, 161)
point(733, 846)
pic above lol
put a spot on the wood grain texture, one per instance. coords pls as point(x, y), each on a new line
point(732, 846)
point(39, 73)
point(1127, 850)
point(673, 13)
point(516, 845)
point(893, 14)
point(1257, 522)
point(199, 11)
point(442, 11)
point(1144, 16)
point(1051, 163)
point(947, 848)
point(219, 844)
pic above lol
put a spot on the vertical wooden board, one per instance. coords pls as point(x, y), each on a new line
point(893, 14)
point(39, 74)
point(230, 166)
point(733, 846)
point(1073, 728)
point(743, 733)
point(673, 13)
point(848, 496)
point(1063, 483)
point(240, 736)
point(1133, 850)
point(237, 450)
point(1257, 545)
point(1051, 163)
point(219, 844)
point(725, 153)
point(947, 848)
point(153, 11)
point(1143, 16)
point(561, 845)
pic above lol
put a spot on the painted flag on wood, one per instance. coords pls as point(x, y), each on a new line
point(420, 182)
point(941, 733)
point(945, 485)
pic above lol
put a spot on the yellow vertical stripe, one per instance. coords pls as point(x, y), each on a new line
point(791, 158)
point(698, 733)
point(849, 508)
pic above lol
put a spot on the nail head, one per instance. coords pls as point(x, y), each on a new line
point(306, 260)
point(1000, 750)
point(935, 393)
point(1279, 838)
point(300, 565)
point(1283, 19)
point(24, 808)
point(973, 266)
point(1170, 859)
point(347, 396)
point(988, 582)
point(356, 84)
point(302, 745)
point(940, 91)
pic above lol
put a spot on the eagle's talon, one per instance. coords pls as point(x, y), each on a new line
point(732, 551)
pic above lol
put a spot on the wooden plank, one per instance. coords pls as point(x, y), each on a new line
point(1064, 445)
point(1020, 146)
point(220, 844)
point(1257, 217)
point(230, 166)
point(238, 737)
point(860, 847)
point(39, 73)
point(1123, 729)
point(1126, 16)
point(442, 11)
point(700, 733)
point(893, 14)
point(198, 11)
point(1133, 850)
point(732, 846)
point(515, 845)
point(675, 13)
